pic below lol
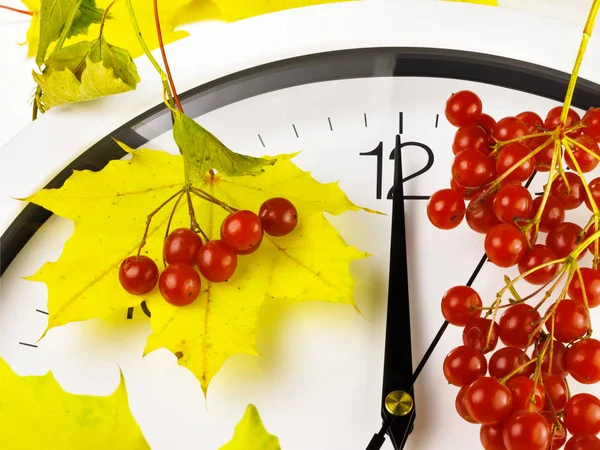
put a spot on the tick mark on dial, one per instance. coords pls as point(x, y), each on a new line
point(261, 140)
point(28, 345)
point(417, 197)
point(366, 124)
point(400, 122)
point(40, 311)
point(437, 120)
point(295, 131)
point(330, 126)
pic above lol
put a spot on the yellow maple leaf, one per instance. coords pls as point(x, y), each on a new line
point(109, 209)
point(118, 30)
point(240, 9)
point(250, 434)
point(36, 413)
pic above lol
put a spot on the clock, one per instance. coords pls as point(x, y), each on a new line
point(359, 89)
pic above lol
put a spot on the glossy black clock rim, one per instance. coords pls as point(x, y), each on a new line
point(313, 68)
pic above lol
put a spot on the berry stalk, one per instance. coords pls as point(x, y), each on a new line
point(20, 11)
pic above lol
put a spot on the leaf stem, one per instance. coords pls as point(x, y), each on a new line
point(20, 11)
point(103, 20)
point(164, 56)
point(65, 31)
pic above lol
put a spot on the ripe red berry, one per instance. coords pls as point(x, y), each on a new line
point(556, 388)
point(446, 209)
point(553, 119)
point(242, 231)
point(179, 284)
point(586, 160)
point(543, 159)
point(570, 196)
point(491, 437)
point(553, 213)
point(217, 261)
point(506, 360)
point(460, 406)
point(508, 159)
point(463, 365)
point(470, 136)
point(564, 238)
point(559, 358)
point(471, 168)
point(476, 331)
point(460, 304)
point(532, 120)
point(557, 430)
point(138, 274)
point(181, 245)
point(526, 430)
point(524, 395)
point(488, 401)
point(480, 215)
point(463, 108)
point(582, 414)
point(517, 324)
point(583, 361)
point(466, 193)
point(279, 216)
point(513, 202)
point(591, 287)
point(594, 187)
point(509, 128)
point(534, 257)
point(591, 120)
point(584, 441)
point(571, 321)
point(505, 245)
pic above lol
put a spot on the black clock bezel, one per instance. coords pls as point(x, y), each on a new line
point(313, 68)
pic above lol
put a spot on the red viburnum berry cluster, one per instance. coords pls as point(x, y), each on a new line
point(518, 391)
point(241, 234)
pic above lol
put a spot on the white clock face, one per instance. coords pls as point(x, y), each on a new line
point(318, 382)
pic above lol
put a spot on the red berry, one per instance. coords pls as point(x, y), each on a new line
point(570, 196)
point(475, 334)
point(556, 388)
point(491, 437)
point(480, 215)
point(559, 358)
point(586, 161)
point(583, 441)
point(588, 234)
point(571, 321)
point(446, 209)
point(553, 119)
point(553, 213)
point(179, 284)
point(543, 158)
point(182, 245)
point(138, 274)
point(217, 261)
point(472, 168)
point(526, 430)
point(591, 287)
point(463, 108)
point(557, 430)
point(279, 216)
point(583, 361)
point(460, 406)
point(488, 123)
point(463, 365)
point(517, 324)
point(513, 202)
point(510, 155)
point(459, 305)
point(524, 395)
point(534, 257)
point(466, 193)
point(509, 128)
point(505, 245)
point(582, 414)
point(565, 238)
point(488, 401)
point(470, 136)
point(591, 120)
point(532, 120)
point(242, 231)
point(508, 359)
point(594, 187)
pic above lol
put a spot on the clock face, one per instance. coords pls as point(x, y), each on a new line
point(318, 382)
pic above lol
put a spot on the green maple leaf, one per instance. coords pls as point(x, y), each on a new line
point(202, 151)
point(56, 14)
point(86, 71)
